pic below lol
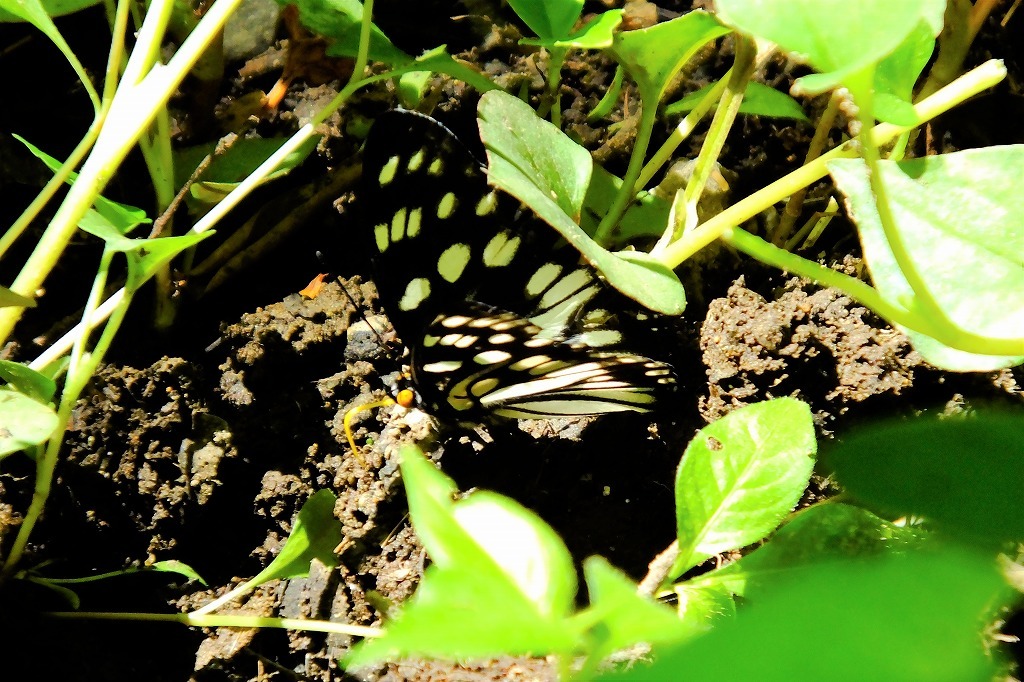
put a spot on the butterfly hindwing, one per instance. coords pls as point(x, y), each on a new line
point(482, 361)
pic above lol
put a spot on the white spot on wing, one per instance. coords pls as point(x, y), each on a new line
point(442, 366)
point(412, 228)
point(491, 357)
point(487, 204)
point(387, 171)
point(416, 160)
point(416, 291)
point(542, 278)
point(501, 249)
point(446, 206)
point(398, 225)
point(453, 261)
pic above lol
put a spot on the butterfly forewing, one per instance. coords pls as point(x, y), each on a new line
point(445, 235)
point(501, 316)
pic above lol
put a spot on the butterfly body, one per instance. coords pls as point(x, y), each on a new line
point(501, 316)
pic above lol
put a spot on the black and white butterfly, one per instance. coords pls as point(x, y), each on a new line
point(501, 316)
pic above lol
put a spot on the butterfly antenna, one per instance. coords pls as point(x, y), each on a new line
point(359, 309)
point(350, 415)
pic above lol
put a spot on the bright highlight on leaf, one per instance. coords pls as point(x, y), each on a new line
point(961, 219)
point(740, 476)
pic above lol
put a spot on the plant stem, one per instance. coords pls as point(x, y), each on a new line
point(648, 116)
point(868, 296)
point(134, 105)
point(234, 621)
point(863, 92)
point(795, 202)
point(682, 131)
point(984, 76)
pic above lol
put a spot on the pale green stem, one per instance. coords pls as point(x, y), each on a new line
point(134, 105)
point(232, 621)
point(648, 116)
point(863, 92)
point(868, 296)
point(682, 131)
point(984, 76)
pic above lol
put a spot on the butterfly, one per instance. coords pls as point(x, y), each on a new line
point(501, 316)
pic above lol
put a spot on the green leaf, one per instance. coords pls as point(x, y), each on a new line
point(24, 421)
point(9, 298)
point(535, 162)
point(596, 34)
point(35, 385)
point(821, 533)
point(914, 617)
point(179, 567)
point(653, 56)
point(961, 218)
point(501, 581)
point(963, 474)
point(739, 478)
point(832, 36)
point(703, 607)
point(339, 21)
point(121, 217)
point(758, 100)
point(898, 73)
point(314, 536)
point(226, 170)
point(549, 19)
point(145, 256)
point(32, 10)
point(626, 618)
point(532, 159)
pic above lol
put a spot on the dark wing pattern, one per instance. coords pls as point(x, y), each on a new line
point(501, 317)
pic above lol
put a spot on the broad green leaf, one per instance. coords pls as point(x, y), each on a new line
point(963, 474)
point(832, 36)
point(596, 34)
point(549, 19)
point(535, 162)
point(898, 73)
point(314, 535)
point(916, 617)
point(739, 478)
point(9, 298)
point(961, 217)
point(339, 21)
point(29, 10)
point(821, 533)
point(463, 613)
point(758, 100)
point(121, 217)
point(653, 56)
point(626, 618)
point(35, 385)
point(533, 159)
point(492, 532)
point(501, 581)
point(24, 422)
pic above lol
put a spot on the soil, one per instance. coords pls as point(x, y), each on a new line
point(201, 444)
